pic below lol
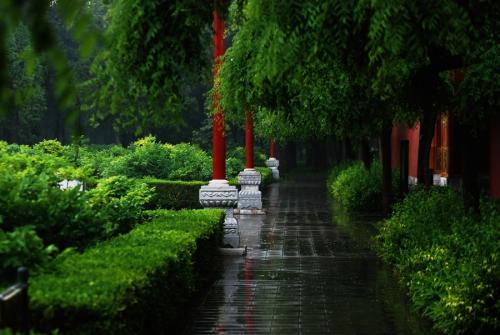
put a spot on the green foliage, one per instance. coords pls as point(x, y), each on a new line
point(60, 217)
point(447, 258)
point(30, 177)
point(138, 282)
point(302, 73)
point(356, 189)
point(154, 51)
point(336, 170)
point(118, 202)
point(34, 16)
point(235, 162)
point(148, 158)
point(188, 162)
point(96, 159)
point(175, 194)
point(21, 247)
point(145, 157)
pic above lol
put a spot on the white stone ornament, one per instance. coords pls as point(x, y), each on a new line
point(70, 184)
point(219, 194)
point(250, 197)
point(273, 164)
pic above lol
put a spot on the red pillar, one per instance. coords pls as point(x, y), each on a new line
point(249, 140)
point(272, 148)
point(219, 142)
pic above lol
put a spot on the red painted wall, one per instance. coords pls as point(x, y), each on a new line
point(495, 159)
point(399, 133)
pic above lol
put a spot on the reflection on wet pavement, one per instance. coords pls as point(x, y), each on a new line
point(306, 272)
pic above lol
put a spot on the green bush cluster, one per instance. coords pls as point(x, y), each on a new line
point(148, 158)
point(137, 283)
point(448, 259)
point(114, 197)
point(19, 247)
point(356, 188)
point(62, 218)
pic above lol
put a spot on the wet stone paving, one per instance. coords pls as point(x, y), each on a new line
point(307, 271)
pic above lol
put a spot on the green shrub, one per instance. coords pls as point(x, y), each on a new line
point(96, 159)
point(448, 259)
point(336, 170)
point(175, 194)
point(118, 202)
point(145, 157)
point(188, 162)
point(21, 247)
point(148, 158)
point(136, 283)
point(51, 147)
point(60, 217)
point(70, 218)
point(355, 188)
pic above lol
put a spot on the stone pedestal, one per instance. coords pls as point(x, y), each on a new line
point(219, 194)
point(250, 197)
point(273, 164)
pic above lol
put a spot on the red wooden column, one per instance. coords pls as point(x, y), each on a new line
point(249, 140)
point(272, 148)
point(219, 142)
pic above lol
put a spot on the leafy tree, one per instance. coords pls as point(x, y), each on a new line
point(155, 51)
point(33, 14)
point(29, 97)
point(313, 68)
point(412, 47)
point(302, 68)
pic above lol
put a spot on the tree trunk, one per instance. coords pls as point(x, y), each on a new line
point(287, 156)
point(427, 126)
point(385, 154)
point(470, 171)
point(365, 154)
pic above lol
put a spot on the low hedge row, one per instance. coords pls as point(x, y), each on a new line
point(448, 259)
point(185, 194)
point(137, 283)
point(175, 194)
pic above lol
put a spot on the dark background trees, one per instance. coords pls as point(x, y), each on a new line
point(104, 69)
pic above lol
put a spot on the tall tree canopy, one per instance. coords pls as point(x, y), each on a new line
point(43, 43)
point(155, 51)
point(300, 66)
point(351, 68)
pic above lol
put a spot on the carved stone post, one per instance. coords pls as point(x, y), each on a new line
point(273, 163)
point(219, 194)
point(250, 198)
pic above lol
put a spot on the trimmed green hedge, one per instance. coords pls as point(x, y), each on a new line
point(175, 194)
point(447, 258)
point(137, 283)
point(185, 194)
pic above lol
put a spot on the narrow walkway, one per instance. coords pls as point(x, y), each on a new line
point(304, 274)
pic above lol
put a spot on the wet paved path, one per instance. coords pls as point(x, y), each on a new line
point(305, 273)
